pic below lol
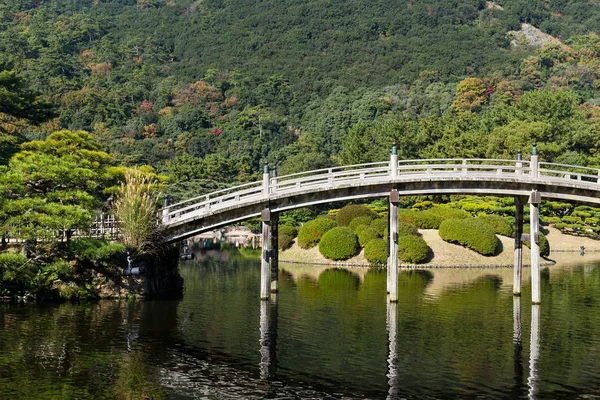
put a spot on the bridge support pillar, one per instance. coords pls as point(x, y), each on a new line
point(265, 273)
point(534, 204)
point(274, 252)
point(393, 240)
point(518, 268)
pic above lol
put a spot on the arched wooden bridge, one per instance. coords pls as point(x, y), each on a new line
point(524, 180)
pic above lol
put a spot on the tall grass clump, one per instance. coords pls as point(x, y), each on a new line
point(136, 208)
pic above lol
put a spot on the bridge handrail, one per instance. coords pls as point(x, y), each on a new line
point(464, 159)
point(328, 170)
point(564, 175)
point(570, 166)
point(332, 173)
point(214, 193)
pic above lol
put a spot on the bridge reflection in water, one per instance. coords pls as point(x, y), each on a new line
point(268, 342)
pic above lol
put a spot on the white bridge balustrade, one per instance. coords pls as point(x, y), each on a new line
point(528, 181)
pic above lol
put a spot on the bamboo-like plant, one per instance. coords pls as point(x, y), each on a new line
point(136, 210)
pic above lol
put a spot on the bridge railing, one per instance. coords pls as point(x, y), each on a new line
point(472, 166)
point(327, 177)
point(569, 172)
point(211, 200)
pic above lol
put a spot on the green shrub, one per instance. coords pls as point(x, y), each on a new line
point(420, 219)
point(285, 241)
point(544, 245)
point(95, 250)
point(380, 225)
point(446, 212)
point(471, 233)
point(347, 213)
point(376, 251)
point(310, 233)
point(412, 249)
point(405, 229)
point(339, 244)
point(499, 224)
point(366, 235)
point(364, 220)
point(289, 230)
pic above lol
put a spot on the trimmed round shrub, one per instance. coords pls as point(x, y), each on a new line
point(347, 213)
point(500, 225)
point(446, 212)
point(544, 245)
point(405, 229)
point(289, 230)
point(311, 232)
point(471, 233)
point(364, 220)
point(366, 235)
point(285, 241)
point(339, 244)
point(420, 219)
point(449, 212)
point(380, 225)
point(376, 251)
point(412, 249)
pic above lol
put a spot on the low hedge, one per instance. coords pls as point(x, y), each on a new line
point(412, 249)
point(380, 225)
point(347, 213)
point(289, 230)
point(364, 220)
point(500, 225)
point(311, 232)
point(339, 244)
point(285, 241)
point(365, 235)
point(471, 233)
point(376, 251)
point(420, 219)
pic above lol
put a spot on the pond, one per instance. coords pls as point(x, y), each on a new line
point(328, 334)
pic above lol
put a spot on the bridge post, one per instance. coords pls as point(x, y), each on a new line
point(264, 260)
point(274, 180)
point(534, 162)
point(518, 267)
point(393, 239)
point(394, 162)
point(534, 203)
point(274, 252)
point(165, 212)
point(265, 188)
point(519, 165)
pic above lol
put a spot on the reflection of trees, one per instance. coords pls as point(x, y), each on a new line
point(79, 351)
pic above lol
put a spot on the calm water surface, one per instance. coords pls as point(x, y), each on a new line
point(330, 334)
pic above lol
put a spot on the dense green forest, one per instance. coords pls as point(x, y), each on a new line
point(206, 91)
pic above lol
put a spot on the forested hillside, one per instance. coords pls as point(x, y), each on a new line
point(206, 91)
